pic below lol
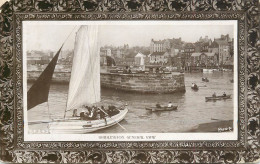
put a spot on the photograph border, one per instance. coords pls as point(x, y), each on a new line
point(13, 147)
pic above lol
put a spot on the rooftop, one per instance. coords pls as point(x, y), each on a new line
point(158, 53)
point(200, 53)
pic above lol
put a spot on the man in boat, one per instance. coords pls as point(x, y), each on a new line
point(75, 113)
point(224, 94)
point(214, 95)
point(93, 113)
point(157, 70)
point(192, 85)
point(125, 70)
point(158, 105)
point(170, 105)
point(129, 70)
point(112, 110)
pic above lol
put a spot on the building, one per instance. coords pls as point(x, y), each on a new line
point(103, 60)
point(205, 46)
point(179, 61)
point(37, 58)
point(130, 61)
point(205, 39)
point(202, 45)
point(172, 46)
point(159, 57)
point(189, 48)
point(141, 59)
point(221, 47)
point(203, 59)
point(225, 37)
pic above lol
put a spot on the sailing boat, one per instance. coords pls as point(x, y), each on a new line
point(84, 87)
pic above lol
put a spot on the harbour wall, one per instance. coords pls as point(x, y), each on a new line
point(58, 77)
point(143, 82)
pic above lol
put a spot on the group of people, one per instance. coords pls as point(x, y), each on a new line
point(127, 70)
point(95, 113)
point(169, 105)
point(214, 94)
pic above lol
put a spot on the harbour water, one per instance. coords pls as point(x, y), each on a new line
point(192, 107)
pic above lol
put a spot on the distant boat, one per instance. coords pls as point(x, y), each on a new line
point(217, 98)
point(84, 87)
point(227, 70)
point(205, 79)
point(207, 70)
point(160, 109)
point(195, 87)
point(231, 80)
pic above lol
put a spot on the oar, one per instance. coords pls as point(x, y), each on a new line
point(198, 86)
point(114, 120)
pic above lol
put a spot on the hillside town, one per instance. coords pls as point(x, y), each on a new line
point(206, 53)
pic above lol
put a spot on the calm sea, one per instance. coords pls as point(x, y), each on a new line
point(192, 110)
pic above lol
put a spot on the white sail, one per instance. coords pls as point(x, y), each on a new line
point(84, 87)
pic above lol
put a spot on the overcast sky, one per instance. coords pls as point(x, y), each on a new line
point(51, 37)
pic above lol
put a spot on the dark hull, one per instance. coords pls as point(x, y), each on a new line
point(155, 109)
point(218, 98)
point(195, 88)
point(205, 80)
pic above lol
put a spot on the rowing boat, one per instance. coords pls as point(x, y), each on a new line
point(218, 98)
point(159, 109)
point(205, 79)
point(195, 88)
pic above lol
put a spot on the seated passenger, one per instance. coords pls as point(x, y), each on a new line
point(170, 105)
point(214, 94)
point(192, 85)
point(75, 113)
point(158, 105)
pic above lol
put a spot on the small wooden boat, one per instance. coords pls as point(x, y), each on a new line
point(205, 79)
point(207, 70)
point(77, 126)
point(195, 88)
point(165, 108)
point(218, 98)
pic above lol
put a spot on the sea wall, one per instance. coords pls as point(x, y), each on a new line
point(145, 83)
point(58, 77)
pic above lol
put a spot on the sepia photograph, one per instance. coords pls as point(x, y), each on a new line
point(130, 77)
point(129, 81)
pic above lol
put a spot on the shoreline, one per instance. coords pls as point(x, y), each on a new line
point(218, 126)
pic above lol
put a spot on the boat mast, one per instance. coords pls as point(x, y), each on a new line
point(70, 74)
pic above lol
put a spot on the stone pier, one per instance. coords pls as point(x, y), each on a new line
point(143, 82)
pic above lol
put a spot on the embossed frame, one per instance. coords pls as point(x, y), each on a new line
point(246, 148)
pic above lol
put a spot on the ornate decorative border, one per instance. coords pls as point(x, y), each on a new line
point(246, 148)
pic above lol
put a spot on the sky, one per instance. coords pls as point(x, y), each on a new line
point(51, 37)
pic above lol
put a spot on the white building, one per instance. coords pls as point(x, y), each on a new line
point(140, 59)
